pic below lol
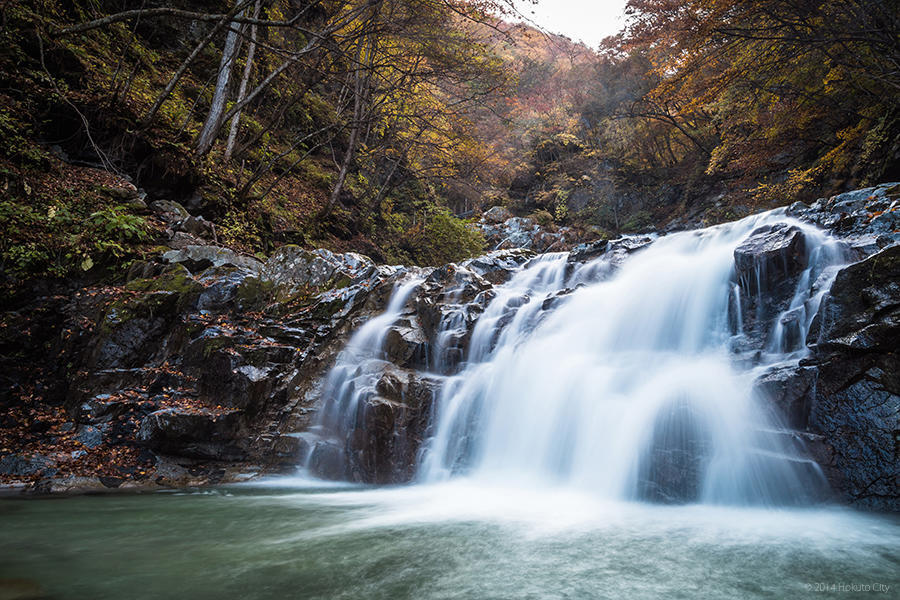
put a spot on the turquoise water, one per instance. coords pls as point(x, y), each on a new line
point(457, 540)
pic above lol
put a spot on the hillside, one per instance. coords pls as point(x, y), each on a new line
point(367, 127)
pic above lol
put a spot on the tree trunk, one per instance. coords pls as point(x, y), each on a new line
point(217, 108)
point(351, 146)
point(176, 77)
point(242, 91)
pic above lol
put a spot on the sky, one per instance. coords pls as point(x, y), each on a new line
point(588, 21)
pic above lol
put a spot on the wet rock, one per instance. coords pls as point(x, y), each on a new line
point(790, 390)
point(290, 448)
point(584, 252)
point(497, 214)
point(857, 411)
point(407, 346)
point(771, 254)
point(867, 213)
point(862, 311)
point(867, 198)
point(672, 470)
point(200, 258)
point(618, 251)
point(455, 283)
point(498, 267)
point(393, 425)
point(194, 433)
point(326, 460)
point(857, 395)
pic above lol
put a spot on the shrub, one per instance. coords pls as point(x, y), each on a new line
point(444, 239)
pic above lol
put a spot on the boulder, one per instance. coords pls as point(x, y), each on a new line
point(196, 433)
point(497, 214)
point(169, 210)
point(790, 390)
point(200, 258)
point(222, 285)
point(197, 227)
point(771, 254)
point(89, 436)
point(393, 424)
point(406, 345)
point(862, 310)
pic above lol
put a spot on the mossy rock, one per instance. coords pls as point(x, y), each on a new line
point(176, 282)
point(255, 293)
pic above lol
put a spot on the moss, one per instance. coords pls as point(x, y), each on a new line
point(148, 305)
point(340, 283)
point(326, 310)
point(176, 283)
point(211, 345)
point(170, 293)
point(255, 292)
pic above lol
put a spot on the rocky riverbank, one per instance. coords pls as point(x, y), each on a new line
point(207, 366)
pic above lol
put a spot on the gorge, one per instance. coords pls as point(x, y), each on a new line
point(706, 398)
point(419, 299)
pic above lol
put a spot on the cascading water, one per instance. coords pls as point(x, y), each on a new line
point(625, 376)
point(629, 388)
point(353, 378)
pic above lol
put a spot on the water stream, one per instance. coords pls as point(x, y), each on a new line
point(599, 439)
point(433, 542)
point(622, 377)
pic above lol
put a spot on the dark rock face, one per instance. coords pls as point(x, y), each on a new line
point(771, 254)
point(790, 391)
point(199, 367)
point(862, 311)
point(678, 456)
point(393, 424)
point(196, 433)
point(767, 267)
point(857, 395)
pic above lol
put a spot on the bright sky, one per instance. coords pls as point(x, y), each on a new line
point(588, 21)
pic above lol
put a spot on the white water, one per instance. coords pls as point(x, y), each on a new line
point(358, 368)
point(627, 388)
point(629, 369)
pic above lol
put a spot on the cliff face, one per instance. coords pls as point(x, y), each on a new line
point(209, 366)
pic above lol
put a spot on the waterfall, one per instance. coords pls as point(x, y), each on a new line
point(629, 386)
point(350, 382)
point(629, 376)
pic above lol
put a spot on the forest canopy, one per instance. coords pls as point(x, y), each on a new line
point(381, 125)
